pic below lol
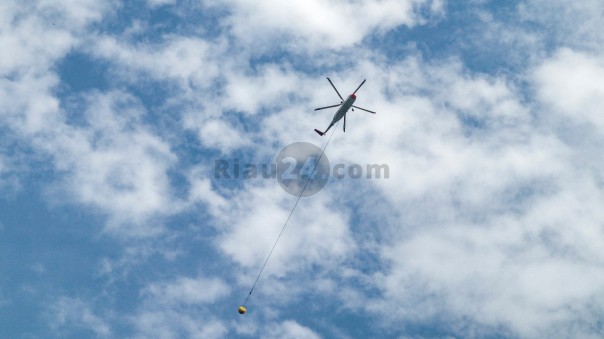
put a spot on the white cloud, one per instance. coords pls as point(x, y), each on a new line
point(115, 164)
point(220, 134)
point(190, 61)
point(249, 225)
point(271, 86)
point(290, 329)
point(157, 3)
point(201, 190)
point(196, 67)
point(320, 24)
point(72, 312)
point(514, 271)
point(110, 163)
point(171, 324)
point(187, 291)
point(31, 50)
point(570, 83)
point(73, 12)
point(567, 23)
point(176, 308)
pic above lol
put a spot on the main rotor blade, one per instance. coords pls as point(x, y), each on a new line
point(316, 109)
point(359, 86)
point(334, 87)
point(366, 110)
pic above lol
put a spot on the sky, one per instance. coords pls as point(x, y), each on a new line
point(113, 223)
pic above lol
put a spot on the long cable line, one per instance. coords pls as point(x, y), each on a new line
point(288, 217)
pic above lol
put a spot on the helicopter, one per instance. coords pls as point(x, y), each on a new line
point(344, 105)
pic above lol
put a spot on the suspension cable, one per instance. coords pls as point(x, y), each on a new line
point(286, 222)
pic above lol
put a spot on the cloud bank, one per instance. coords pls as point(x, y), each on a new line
point(489, 224)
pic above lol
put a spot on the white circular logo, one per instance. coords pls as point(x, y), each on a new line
point(302, 169)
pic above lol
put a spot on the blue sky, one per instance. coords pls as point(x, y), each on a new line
point(112, 223)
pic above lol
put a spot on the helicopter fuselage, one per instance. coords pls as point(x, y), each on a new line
point(344, 108)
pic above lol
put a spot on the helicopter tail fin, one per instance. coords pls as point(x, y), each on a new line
point(319, 132)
